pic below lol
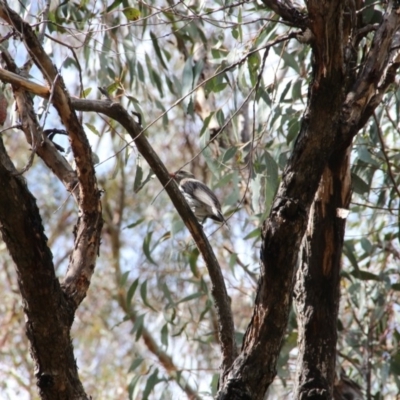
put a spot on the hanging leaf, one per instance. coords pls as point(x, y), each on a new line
point(135, 363)
point(146, 247)
point(157, 49)
point(131, 291)
point(152, 381)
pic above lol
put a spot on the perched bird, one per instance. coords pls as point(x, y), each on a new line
point(199, 196)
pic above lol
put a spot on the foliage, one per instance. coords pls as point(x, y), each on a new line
point(147, 326)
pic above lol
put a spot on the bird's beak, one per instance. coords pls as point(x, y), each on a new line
point(172, 175)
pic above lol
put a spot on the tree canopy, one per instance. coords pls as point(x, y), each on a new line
point(288, 111)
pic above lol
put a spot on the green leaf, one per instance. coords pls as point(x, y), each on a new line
point(143, 294)
point(348, 250)
point(113, 5)
point(254, 61)
point(230, 153)
point(132, 385)
point(152, 381)
point(131, 13)
point(395, 364)
point(219, 87)
point(140, 72)
point(137, 184)
point(157, 49)
point(253, 234)
point(92, 128)
point(365, 275)
point(135, 363)
point(272, 180)
point(168, 295)
point(193, 257)
point(187, 76)
point(131, 291)
point(197, 71)
point(364, 154)
point(285, 91)
point(359, 185)
point(138, 326)
point(133, 224)
point(214, 384)
point(235, 33)
point(262, 94)
point(190, 297)
point(293, 131)
point(86, 92)
point(296, 91)
point(220, 117)
point(157, 80)
point(366, 245)
point(164, 335)
point(290, 61)
point(206, 123)
point(146, 247)
point(124, 278)
point(147, 179)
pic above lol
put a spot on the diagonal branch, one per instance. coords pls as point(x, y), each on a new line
point(218, 289)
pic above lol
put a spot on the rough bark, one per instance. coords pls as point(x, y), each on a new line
point(317, 290)
point(288, 12)
point(282, 232)
point(49, 314)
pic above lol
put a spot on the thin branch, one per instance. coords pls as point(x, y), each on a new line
point(17, 80)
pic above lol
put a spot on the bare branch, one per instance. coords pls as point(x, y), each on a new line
point(18, 80)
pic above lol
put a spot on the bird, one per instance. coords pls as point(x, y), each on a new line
point(201, 199)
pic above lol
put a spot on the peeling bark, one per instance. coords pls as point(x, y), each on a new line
point(317, 292)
